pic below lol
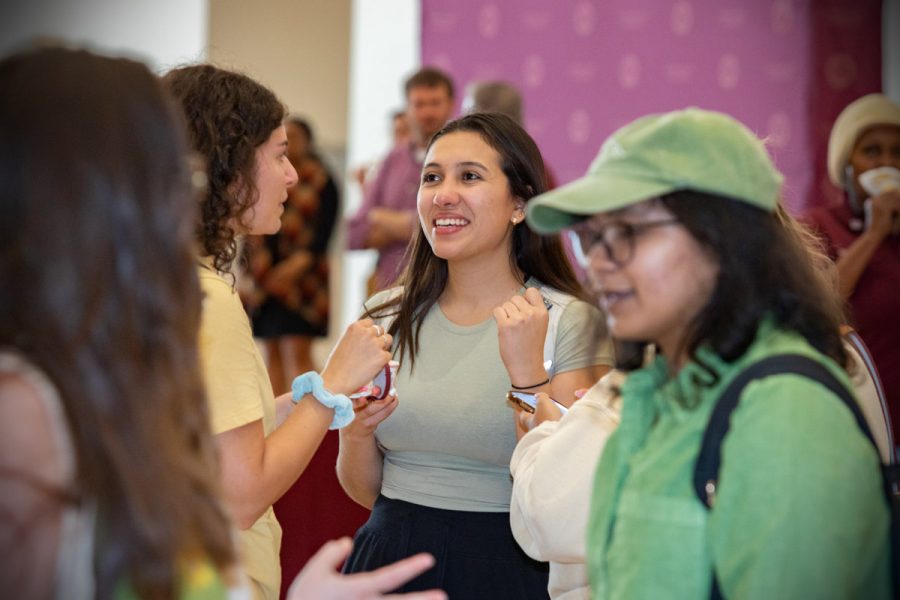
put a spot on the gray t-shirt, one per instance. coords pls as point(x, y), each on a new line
point(449, 442)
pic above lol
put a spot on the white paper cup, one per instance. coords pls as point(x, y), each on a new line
point(880, 180)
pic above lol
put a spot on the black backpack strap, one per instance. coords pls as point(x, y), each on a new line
point(706, 470)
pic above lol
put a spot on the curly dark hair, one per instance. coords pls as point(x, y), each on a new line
point(764, 271)
point(98, 268)
point(229, 115)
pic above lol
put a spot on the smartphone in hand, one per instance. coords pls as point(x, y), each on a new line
point(528, 402)
point(384, 383)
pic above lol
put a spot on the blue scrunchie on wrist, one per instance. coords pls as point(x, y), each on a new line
point(311, 383)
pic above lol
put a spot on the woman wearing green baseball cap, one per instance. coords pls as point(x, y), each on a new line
point(676, 217)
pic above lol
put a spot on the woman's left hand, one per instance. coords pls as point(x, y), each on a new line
point(320, 578)
point(522, 327)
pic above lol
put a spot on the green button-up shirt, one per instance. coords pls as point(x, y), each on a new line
point(799, 510)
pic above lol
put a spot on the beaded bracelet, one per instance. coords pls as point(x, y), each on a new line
point(311, 383)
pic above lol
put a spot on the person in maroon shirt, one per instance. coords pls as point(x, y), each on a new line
point(862, 234)
point(387, 217)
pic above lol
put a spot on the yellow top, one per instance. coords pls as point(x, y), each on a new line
point(239, 392)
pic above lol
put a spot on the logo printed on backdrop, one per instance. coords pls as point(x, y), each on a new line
point(583, 18)
point(584, 55)
point(682, 17)
point(533, 70)
point(629, 71)
point(614, 148)
point(728, 71)
point(779, 130)
point(489, 21)
point(579, 126)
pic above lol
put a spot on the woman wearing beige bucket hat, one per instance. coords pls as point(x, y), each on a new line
point(861, 233)
point(677, 218)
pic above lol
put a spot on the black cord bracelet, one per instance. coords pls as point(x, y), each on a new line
point(528, 387)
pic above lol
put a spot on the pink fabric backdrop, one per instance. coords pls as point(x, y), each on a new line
point(783, 67)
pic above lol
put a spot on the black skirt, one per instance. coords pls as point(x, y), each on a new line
point(476, 554)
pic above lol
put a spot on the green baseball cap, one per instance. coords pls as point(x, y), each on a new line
point(690, 149)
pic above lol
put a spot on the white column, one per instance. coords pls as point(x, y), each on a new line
point(385, 49)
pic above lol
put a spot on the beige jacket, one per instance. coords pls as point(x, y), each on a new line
point(553, 469)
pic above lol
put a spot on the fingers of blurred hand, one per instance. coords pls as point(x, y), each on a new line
point(885, 203)
point(319, 576)
point(394, 575)
point(579, 394)
point(331, 554)
point(546, 409)
point(429, 595)
point(533, 296)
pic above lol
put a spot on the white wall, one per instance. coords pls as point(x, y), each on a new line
point(301, 50)
point(384, 50)
point(298, 48)
point(162, 33)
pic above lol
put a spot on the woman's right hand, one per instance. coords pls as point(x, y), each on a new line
point(361, 352)
point(885, 210)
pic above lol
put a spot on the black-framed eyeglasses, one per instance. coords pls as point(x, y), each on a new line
point(617, 238)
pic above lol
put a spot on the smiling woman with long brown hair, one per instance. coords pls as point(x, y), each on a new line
point(470, 319)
